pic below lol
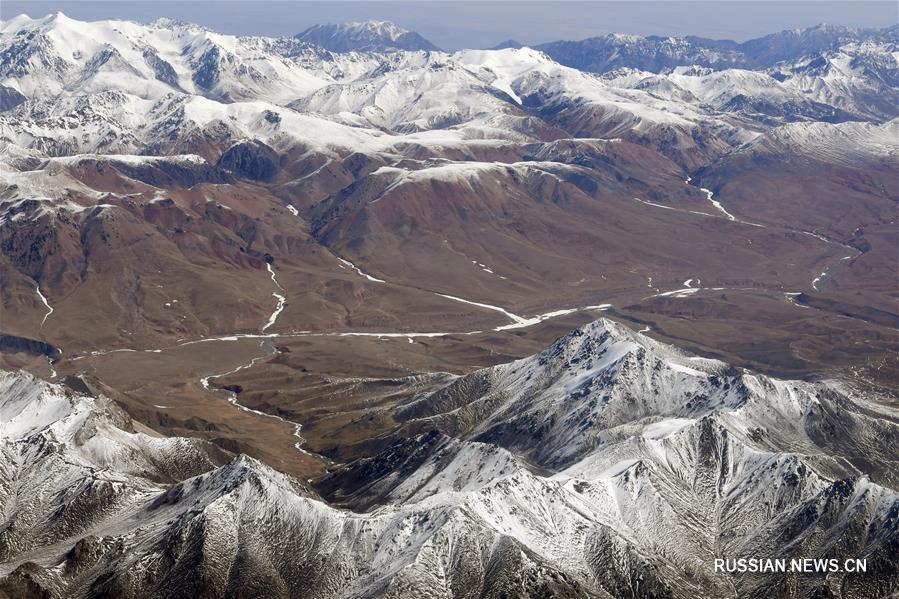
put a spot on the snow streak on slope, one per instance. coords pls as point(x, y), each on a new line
point(281, 299)
point(716, 203)
point(517, 320)
point(278, 309)
point(43, 298)
point(359, 271)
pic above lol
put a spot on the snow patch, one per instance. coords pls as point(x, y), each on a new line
point(359, 271)
point(37, 288)
point(665, 428)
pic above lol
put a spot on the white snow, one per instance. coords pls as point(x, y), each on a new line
point(683, 369)
point(487, 269)
point(628, 435)
point(37, 288)
point(717, 204)
point(350, 100)
point(359, 271)
point(268, 267)
point(648, 203)
point(528, 322)
point(818, 280)
point(281, 299)
point(278, 309)
point(600, 307)
point(679, 293)
point(517, 320)
point(27, 406)
point(665, 428)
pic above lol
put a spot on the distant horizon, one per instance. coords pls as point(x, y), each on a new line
point(450, 25)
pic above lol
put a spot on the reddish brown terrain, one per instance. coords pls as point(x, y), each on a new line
point(363, 318)
point(147, 292)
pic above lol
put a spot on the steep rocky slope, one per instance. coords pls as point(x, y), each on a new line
point(607, 465)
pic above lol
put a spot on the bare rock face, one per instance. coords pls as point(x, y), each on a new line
point(9, 98)
point(250, 160)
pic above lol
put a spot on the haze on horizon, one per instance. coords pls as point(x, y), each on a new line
point(455, 25)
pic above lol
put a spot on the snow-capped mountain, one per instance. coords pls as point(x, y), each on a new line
point(793, 44)
point(562, 473)
point(116, 87)
point(604, 383)
point(128, 86)
point(859, 77)
point(105, 117)
point(365, 36)
point(329, 252)
point(652, 53)
point(658, 54)
point(56, 55)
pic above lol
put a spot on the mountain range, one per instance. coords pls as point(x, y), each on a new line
point(657, 53)
point(608, 465)
point(345, 315)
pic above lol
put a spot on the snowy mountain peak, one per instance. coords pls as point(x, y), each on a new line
point(28, 405)
point(385, 29)
point(365, 36)
point(607, 336)
point(25, 20)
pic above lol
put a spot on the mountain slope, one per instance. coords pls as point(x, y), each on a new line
point(659, 495)
point(604, 382)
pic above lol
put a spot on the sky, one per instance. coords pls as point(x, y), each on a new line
point(470, 24)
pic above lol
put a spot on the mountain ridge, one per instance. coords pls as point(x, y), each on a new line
point(655, 53)
point(568, 531)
